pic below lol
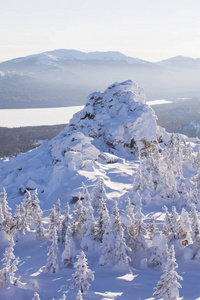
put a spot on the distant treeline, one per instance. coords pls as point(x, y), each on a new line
point(16, 140)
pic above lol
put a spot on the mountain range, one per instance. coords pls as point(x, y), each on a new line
point(65, 77)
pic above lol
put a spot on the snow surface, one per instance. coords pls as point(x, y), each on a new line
point(96, 143)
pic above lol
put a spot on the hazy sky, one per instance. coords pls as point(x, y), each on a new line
point(149, 29)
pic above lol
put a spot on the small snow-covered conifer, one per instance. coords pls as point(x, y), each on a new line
point(35, 207)
point(116, 218)
point(52, 265)
point(196, 247)
point(137, 181)
point(79, 220)
point(174, 223)
point(82, 273)
point(36, 296)
point(98, 192)
point(38, 226)
point(140, 230)
point(58, 221)
point(194, 222)
point(52, 223)
point(79, 295)
point(129, 210)
point(66, 221)
point(20, 222)
point(168, 287)
point(89, 231)
point(185, 227)
point(152, 226)
point(36, 214)
point(63, 297)
point(70, 249)
point(7, 216)
point(167, 226)
point(108, 241)
point(121, 249)
point(7, 274)
point(159, 252)
point(86, 195)
point(1, 218)
point(101, 214)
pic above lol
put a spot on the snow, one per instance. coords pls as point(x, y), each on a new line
point(81, 153)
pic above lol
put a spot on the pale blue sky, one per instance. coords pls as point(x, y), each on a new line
point(149, 29)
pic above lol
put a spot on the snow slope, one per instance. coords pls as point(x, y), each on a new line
point(116, 121)
point(102, 140)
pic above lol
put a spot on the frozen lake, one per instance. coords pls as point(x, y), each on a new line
point(45, 116)
point(37, 116)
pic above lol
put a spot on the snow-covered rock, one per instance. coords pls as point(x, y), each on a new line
point(118, 120)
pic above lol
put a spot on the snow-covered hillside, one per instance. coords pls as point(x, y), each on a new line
point(117, 121)
point(133, 191)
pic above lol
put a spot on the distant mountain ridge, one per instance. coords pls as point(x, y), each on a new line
point(65, 77)
point(55, 55)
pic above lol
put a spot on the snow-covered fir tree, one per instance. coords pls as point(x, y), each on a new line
point(197, 159)
point(79, 220)
point(116, 219)
point(7, 274)
point(159, 251)
point(1, 218)
point(185, 227)
point(174, 223)
point(82, 273)
point(167, 229)
point(69, 252)
point(35, 213)
point(63, 297)
point(39, 226)
point(89, 231)
point(168, 287)
point(52, 265)
point(98, 192)
point(58, 221)
point(137, 180)
point(36, 296)
point(121, 249)
point(152, 226)
point(86, 196)
point(6, 214)
point(66, 221)
point(52, 223)
point(108, 241)
point(20, 225)
point(194, 222)
point(35, 207)
point(129, 210)
point(140, 231)
point(100, 220)
point(79, 295)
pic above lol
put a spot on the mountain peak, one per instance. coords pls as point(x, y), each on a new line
point(117, 121)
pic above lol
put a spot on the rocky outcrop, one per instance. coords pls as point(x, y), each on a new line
point(116, 121)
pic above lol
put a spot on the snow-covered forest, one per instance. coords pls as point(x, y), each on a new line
point(109, 209)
